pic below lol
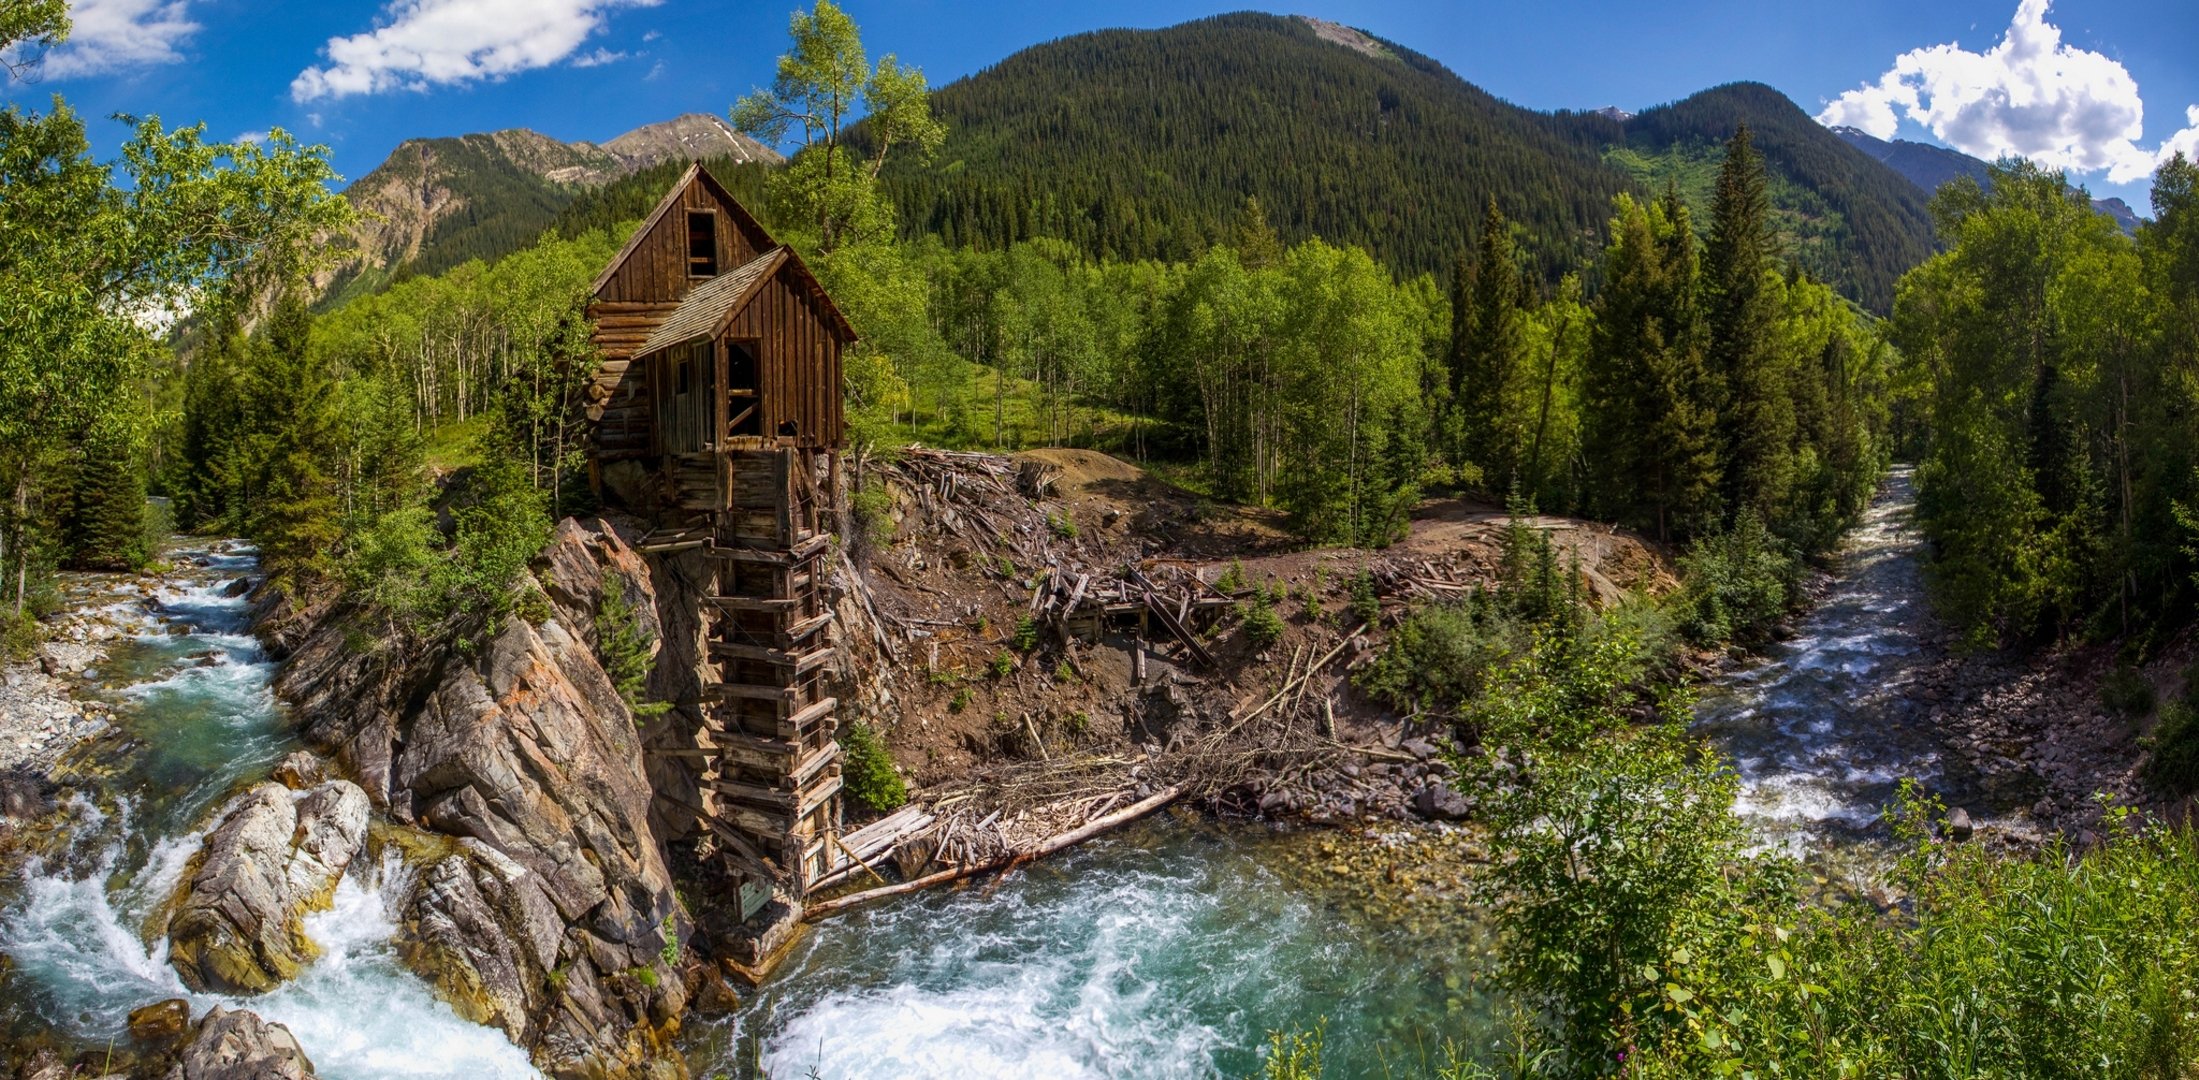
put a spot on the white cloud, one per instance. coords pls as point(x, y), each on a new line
point(253, 137)
point(2186, 140)
point(2031, 95)
point(598, 58)
point(423, 43)
point(107, 36)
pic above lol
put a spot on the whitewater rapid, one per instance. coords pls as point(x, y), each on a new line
point(1824, 728)
point(193, 689)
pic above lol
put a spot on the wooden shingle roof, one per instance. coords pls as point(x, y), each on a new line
point(710, 305)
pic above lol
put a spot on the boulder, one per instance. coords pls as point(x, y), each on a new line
point(237, 923)
point(237, 588)
point(299, 770)
point(160, 1023)
point(1441, 802)
point(1958, 824)
point(234, 1044)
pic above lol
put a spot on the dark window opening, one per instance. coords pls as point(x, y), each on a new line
point(741, 389)
point(702, 243)
point(683, 377)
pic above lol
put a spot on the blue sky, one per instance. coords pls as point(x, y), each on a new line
point(2064, 83)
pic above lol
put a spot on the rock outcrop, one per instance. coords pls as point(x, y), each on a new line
point(547, 908)
point(237, 921)
point(234, 1044)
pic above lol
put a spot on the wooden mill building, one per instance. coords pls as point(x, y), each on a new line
point(718, 418)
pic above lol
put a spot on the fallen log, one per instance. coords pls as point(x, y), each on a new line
point(1075, 836)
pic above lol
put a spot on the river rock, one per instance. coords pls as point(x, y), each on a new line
point(274, 856)
point(1958, 824)
point(549, 916)
point(299, 770)
point(235, 1044)
point(237, 588)
point(1441, 802)
point(160, 1023)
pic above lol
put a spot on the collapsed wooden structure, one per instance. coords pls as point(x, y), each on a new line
point(718, 417)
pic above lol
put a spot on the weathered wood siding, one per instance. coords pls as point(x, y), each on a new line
point(689, 420)
point(657, 270)
point(799, 362)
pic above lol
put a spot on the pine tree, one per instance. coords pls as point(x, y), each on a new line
point(1650, 438)
point(1756, 418)
point(103, 525)
point(1488, 339)
point(295, 510)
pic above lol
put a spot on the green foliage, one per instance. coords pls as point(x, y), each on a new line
point(2173, 765)
point(669, 930)
point(1263, 627)
point(960, 701)
point(1062, 525)
point(1365, 602)
point(626, 648)
point(1738, 585)
point(1025, 638)
point(1232, 580)
point(1443, 655)
point(86, 247)
point(2050, 348)
point(1002, 663)
point(823, 81)
point(870, 775)
point(1039, 146)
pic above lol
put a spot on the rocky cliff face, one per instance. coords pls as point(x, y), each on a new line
point(516, 779)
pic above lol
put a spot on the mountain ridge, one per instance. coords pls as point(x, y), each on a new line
point(436, 202)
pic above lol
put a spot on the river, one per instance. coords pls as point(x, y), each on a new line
point(192, 694)
point(1167, 950)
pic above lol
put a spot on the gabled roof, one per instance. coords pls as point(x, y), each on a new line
point(742, 218)
point(803, 277)
point(712, 304)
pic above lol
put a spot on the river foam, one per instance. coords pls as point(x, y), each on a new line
point(194, 689)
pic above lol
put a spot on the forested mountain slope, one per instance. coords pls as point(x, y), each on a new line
point(1929, 166)
point(1137, 143)
point(437, 202)
point(1841, 214)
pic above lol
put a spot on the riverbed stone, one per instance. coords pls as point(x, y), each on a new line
point(272, 857)
point(299, 770)
point(160, 1023)
point(236, 1044)
point(1442, 802)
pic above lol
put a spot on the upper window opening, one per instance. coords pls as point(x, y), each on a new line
point(702, 243)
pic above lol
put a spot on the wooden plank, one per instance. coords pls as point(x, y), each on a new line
point(751, 603)
point(749, 692)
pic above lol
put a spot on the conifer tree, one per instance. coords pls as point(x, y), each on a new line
point(1485, 355)
point(1650, 437)
point(1756, 418)
point(103, 523)
point(295, 514)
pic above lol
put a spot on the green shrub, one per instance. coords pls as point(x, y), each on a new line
point(19, 634)
point(626, 649)
point(1365, 603)
point(871, 506)
point(1738, 585)
point(868, 770)
point(1026, 635)
point(1263, 627)
point(1003, 663)
point(960, 701)
point(1441, 655)
point(1064, 528)
point(1232, 580)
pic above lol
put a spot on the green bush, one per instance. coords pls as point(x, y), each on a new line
point(1263, 627)
point(872, 509)
point(1026, 635)
point(1365, 603)
point(626, 648)
point(869, 774)
point(1441, 655)
point(1738, 585)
